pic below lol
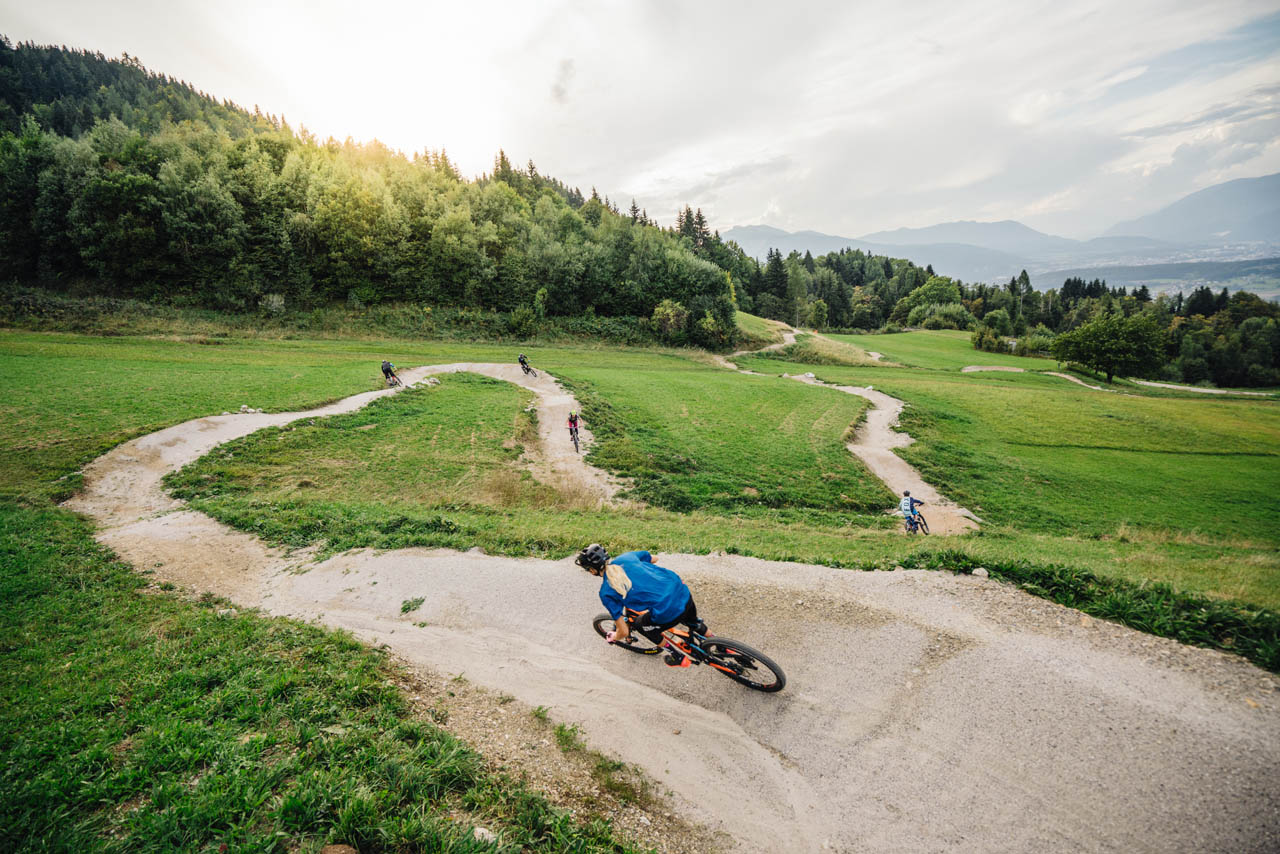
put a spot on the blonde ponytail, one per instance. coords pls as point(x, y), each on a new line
point(618, 580)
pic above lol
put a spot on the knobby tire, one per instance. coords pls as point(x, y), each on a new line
point(603, 624)
point(744, 665)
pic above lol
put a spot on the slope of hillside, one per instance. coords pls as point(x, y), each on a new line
point(1247, 209)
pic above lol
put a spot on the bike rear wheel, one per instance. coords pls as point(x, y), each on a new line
point(603, 624)
point(744, 665)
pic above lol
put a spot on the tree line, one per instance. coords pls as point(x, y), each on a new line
point(119, 182)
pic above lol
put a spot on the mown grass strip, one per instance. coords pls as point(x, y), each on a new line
point(132, 720)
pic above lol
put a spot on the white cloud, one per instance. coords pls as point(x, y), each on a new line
point(842, 117)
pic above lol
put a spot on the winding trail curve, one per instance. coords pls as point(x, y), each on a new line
point(973, 369)
point(874, 443)
point(924, 711)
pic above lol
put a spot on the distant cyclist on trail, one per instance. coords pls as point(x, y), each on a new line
point(575, 421)
point(389, 371)
point(908, 506)
point(524, 364)
point(632, 580)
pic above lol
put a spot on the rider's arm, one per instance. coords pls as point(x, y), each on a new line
point(621, 629)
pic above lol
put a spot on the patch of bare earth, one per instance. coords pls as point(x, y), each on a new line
point(519, 740)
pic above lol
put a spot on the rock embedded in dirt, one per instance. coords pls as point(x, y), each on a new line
point(981, 572)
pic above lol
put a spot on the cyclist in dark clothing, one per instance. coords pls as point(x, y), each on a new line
point(389, 371)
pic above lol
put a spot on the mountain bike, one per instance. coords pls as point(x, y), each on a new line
point(393, 381)
point(573, 434)
point(528, 370)
point(738, 661)
point(916, 524)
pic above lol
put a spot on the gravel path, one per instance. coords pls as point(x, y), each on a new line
point(873, 443)
point(969, 369)
point(924, 711)
point(788, 338)
point(1199, 390)
point(554, 461)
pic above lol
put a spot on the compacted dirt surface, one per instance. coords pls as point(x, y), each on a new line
point(924, 711)
point(873, 443)
point(971, 369)
point(1203, 390)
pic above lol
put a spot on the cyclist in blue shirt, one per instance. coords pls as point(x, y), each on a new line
point(632, 580)
point(908, 506)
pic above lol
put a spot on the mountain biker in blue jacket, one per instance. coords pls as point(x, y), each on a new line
point(908, 506)
point(632, 580)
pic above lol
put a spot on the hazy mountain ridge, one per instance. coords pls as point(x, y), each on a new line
point(1235, 221)
point(1247, 209)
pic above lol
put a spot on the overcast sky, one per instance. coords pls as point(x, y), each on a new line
point(843, 117)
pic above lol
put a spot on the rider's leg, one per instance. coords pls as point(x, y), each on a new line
point(674, 657)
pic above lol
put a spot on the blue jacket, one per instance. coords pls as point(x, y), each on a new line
point(654, 589)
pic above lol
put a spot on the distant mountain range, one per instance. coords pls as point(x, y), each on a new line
point(1237, 211)
point(1237, 220)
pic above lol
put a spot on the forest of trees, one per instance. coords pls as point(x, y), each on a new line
point(118, 182)
point(1222, 338)
point(848, 289)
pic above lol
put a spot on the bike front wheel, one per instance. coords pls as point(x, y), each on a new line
point(744, 665)
point(922, 524)
point(603, 624)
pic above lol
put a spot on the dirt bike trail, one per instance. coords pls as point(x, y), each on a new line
point(924, 711)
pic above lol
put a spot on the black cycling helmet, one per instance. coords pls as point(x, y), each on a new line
point(906, 492)
point(592, 557)
point(522, 355)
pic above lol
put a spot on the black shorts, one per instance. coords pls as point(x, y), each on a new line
point(654, 632)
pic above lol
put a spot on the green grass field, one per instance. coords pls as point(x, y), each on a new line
point(149, 722)
point(756, 331)
point(1143, 487)
point(944, 349)
point(1136, 487)
point(135, 720)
